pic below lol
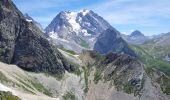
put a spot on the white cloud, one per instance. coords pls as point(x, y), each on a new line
point(132, 30)
point(142, 12)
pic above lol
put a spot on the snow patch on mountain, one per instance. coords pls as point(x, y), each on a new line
point(85, 32)
point(71, 17)
point(28, 20)
point(53, 35)
point(84, 12)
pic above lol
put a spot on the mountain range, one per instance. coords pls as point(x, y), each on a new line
point(79, 56)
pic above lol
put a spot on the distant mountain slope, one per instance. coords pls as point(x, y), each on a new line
point(136, 37)
point(158, 47)
point(22, 43)
point(136, 33)
point(110, 41)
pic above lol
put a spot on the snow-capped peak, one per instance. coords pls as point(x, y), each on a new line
point(77, 22)
point(84, 12)
point(71, 17)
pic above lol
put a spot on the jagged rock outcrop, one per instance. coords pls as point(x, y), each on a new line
point(111, 41)
point(23, 44)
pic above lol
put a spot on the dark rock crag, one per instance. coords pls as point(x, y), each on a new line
point(111, 41)
point(22, 43)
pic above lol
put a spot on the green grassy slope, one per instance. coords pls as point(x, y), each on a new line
point(150, 61)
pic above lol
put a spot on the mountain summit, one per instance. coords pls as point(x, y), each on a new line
point(136, 37)
point(76, 30)
point(137, 33)
point(82, 30)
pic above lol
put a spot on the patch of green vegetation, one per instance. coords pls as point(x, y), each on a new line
point(1, 50)
point(128, 88)
point(155, 63)
point(24, 83)
point(41, 88)
point(165, 84)
point(27, 85)
point(97, 76)
point(3, 78)
point(122, 84)
point(86, 74)
point(97, 56)
point(151, 62)
point(75, 68)
point(142, 84)
point(84, 44)
point(8, 96)
point(117, 83)
point(69, 96)
point(25, 89)
point(58, 77)
point(68, 51)
point(156, 51)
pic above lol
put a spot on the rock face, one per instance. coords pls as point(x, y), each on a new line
point(23, 44)
point(110, 41)
point(163, 40)
point(76, 30)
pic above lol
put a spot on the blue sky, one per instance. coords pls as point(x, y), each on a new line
point(148, 16)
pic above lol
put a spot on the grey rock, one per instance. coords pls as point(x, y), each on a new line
point(110, 41)
point(22, 43)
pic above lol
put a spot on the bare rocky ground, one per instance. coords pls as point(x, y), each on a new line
point(9, 84)
point(103, 91)
point(19, 82)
